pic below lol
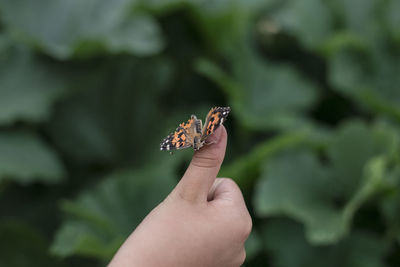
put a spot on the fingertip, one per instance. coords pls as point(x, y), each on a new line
point(218, 137)
point(212, 154)
point(204, 167)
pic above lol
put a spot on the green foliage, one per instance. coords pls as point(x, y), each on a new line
point(24, 246)
point(26, 159)
point(83, 27)
point(285, 241)
point(88, 89)
point(264, 94)
point(31, 97)
point(101, 219)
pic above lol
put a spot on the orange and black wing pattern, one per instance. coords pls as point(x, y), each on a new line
point(214, 119)
point(190, 134)
point(180, 138)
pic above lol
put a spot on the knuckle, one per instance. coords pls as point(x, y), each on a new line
point(231, 183)
point(241, 257)
point(244, 225)
point(248, 226)
point(241, 216)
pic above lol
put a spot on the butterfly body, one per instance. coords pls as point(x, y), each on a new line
point(192, 133)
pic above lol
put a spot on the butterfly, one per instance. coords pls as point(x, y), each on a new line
point(193, 133)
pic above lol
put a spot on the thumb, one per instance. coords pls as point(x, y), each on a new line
point(203, 169)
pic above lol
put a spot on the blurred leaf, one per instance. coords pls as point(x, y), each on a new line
point(390, 204)
point(69, 25)
point(253, 245)
point(299, 18)
point(385, 81)
point(369, 77)
point(5, 44)
point(296, 184)
point(349, 71)
point(223, 24)
point(392, 18)
point(99, 125)
point(285, 240)
point(264, 95)
point(351, 148)
point(23, 246)
point(28, 88)
point(25, 158)
point(247, 168)
point(102, 218)
point(342, 41)
point(359, 17)
point(159, 6)
point(367, 68)
point(75, 238)
point(139, 35)
point(272, 94)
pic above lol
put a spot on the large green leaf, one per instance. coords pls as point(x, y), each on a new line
point(362, 65)
point(272, 94)
point(264, 95)
point(28, 86)
point(351, 148)
point(369, 80)
point(297, 185)
point(366, 71)
point(25, 158)
point(74, 26)
point(102, 218)
point(246, 169)
point(285, 241)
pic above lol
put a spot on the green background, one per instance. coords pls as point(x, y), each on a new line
point(88, 89)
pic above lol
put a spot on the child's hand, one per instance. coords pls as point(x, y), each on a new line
point(203, 222)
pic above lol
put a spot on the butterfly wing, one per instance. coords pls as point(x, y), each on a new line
point(176, 140)
point(181, 138)
point(214, 119)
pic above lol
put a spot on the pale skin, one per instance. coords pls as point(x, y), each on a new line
point(203, 222)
